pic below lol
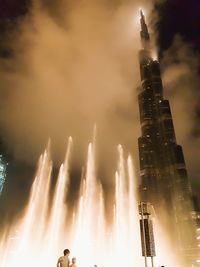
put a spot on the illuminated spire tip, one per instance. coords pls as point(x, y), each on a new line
point(141, 13)
point(144, 33)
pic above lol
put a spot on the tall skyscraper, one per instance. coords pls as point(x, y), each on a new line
point(164, 180)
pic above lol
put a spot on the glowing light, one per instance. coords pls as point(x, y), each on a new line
point(142, 9)
point(154, 55)
point(48, 226)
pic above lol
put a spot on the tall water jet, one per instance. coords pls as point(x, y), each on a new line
point(134, 229)
point(46, 230)
point(127, 239)
point(26, 246)
point(86, 228)
point(57, 220)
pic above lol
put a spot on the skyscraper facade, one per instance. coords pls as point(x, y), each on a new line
point(164, 179)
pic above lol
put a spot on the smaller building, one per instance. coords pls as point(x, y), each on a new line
point(3, 171)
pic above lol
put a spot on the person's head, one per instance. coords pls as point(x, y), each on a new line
point(66, 252)
point(73, 260)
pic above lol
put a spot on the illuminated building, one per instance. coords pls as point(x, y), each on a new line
point(164, 180)
point(3, 168)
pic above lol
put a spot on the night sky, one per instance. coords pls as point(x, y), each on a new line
point(175, 17)
point(182, 17)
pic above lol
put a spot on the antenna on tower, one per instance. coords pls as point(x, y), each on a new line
point(141, 13)
point(144, 33)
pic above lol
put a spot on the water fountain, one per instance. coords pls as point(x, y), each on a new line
point(46, 229)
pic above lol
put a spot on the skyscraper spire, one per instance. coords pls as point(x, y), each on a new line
point(144, 33)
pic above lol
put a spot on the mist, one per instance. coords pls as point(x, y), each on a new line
point(75, 66)
point(181, 80)
point(72, 69)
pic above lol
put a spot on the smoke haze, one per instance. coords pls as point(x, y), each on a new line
point(181, 82)
point(76, 65)
point(71, 70)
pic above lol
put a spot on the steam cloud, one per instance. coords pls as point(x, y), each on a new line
point(181, 81)
point(76, 65)
point(73, 68)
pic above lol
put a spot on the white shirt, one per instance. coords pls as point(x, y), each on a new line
point(63, 261)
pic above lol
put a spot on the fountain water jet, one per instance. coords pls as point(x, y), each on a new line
point(46, 228)
point(57, 220)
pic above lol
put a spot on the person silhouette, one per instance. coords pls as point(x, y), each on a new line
point(73, 264)
point(63, 261)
